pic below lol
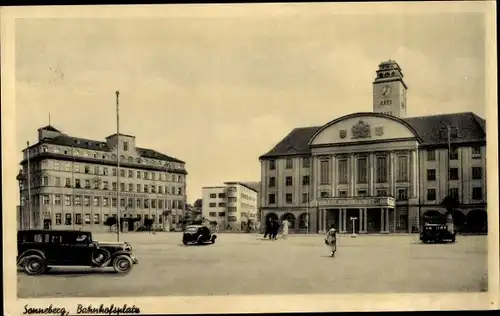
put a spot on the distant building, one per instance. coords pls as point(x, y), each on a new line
point(232, 205)
point(386, 171)
point(74, 182)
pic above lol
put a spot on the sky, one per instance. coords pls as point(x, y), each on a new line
point(218, 91)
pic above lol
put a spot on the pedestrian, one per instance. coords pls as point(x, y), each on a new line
point(285, 228)
point(331, 239)
point(268, 228)
point(276, 228)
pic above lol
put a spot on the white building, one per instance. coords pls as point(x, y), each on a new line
point(232, 205)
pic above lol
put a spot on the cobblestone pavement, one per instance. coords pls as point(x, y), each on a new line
point(248, 264)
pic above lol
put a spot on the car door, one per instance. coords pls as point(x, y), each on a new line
point(80, 250)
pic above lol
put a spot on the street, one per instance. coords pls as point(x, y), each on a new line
point(246, 264)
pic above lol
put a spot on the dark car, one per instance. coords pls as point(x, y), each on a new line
point(39, 250)
point(437, 233)
point(198, 234)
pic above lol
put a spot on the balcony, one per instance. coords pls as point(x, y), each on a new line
point(365, 201)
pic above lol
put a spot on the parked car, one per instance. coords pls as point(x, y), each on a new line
point(39, 250)
point(437, 233)
point(198, 234)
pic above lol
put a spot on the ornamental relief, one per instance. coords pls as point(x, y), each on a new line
point(361, 130)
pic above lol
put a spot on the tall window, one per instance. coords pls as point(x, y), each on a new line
point(476, 152)
point(362, 170)
point(272, 182)
point(305, 162)
point(272, 199)
point(289, 198)
point(402, 168)
point(431, 174)
point(431, 155)
point(324, 172)
point(381, 169)
point(402, 194)
point(477, 193)
point(431, 194)
point(477, 173)
point(343, 171)
point(305, 197)
point(305, 180)
point(125, 146)
point(272, 164)
point(381, 192)
point(289, 163)
point(288, 181)
point(454, 193)
point(453, 174)
point(454, 154)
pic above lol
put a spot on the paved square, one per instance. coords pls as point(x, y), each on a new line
point(247, 264)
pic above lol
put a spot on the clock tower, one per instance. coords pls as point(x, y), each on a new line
point(389, 90)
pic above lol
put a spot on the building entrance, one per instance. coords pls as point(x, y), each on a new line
point(374, 225)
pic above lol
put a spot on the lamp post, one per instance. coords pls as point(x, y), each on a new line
point(21, 178)
point(353, 220)
point(29, 184)
point(118, 200)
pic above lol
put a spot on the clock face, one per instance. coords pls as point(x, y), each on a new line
point(386, 91)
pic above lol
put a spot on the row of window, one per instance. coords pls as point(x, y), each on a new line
point(104, 185)
point(215, 204)
point(477, 174)
point(96, 219)
point(402, 194)
point(105, 201)
point(229, 218)
point(431, 156)
point(104, 171)
point(220, 195)
point(213, 214)
point(76, 152)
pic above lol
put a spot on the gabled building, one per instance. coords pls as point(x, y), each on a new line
point(378, 171)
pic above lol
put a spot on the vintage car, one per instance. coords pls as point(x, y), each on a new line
point(39, 250)
point(198, 234)
point(437, 233)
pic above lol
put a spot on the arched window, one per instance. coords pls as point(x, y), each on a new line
point(56, 149)
point(44, 149)
point(85, 153)
point(95, 155)
point(130, 159)
point(104, 157)
point(304, 220)
point(138, 160)
point(113, 157)
point(122, 157)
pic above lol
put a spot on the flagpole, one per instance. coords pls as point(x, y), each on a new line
point(118, 167)
point(29, 184)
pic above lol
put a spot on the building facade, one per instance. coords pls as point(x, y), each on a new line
point(74, 183)
point(380, 171)
point(232, 205)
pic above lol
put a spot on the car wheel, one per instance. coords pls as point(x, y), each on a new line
point(213, 239)
point(34, 265)
point(122, 264)
point(185, 243)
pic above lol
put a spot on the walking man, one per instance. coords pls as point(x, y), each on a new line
point(331, 239)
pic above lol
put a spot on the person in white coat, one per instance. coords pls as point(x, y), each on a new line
point(331, 239)
point(285, 228)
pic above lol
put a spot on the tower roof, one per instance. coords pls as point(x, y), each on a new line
point(49, 128)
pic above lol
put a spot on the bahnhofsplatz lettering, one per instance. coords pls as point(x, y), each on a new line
point(380, 171)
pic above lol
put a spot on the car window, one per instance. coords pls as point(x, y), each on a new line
point(38, 238)
point(191, 229)
point(56, 239)
point(81, 239)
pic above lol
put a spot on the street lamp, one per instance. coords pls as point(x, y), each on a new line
point(21, 178)
point(353, 219)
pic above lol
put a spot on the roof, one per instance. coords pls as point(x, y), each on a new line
point(83, 143)
point(243, 184)
point(49, 128)
point(471, 128)
point(255, 185)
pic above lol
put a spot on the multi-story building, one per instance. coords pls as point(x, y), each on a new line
point(379, 171)
point(74, 183)
point(232, 205)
